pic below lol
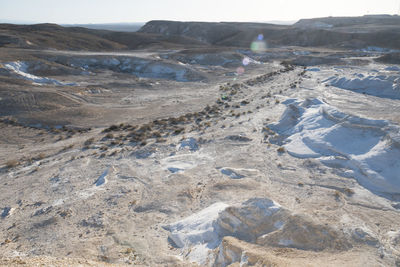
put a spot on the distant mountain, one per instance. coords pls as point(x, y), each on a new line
point(119, 27)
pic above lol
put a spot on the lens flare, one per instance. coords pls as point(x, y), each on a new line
point(246, 61)
point(258, 46)
point(240, 70)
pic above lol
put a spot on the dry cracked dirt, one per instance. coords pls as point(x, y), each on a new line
point(210, 157)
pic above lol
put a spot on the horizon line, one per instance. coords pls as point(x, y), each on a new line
point(22, 22)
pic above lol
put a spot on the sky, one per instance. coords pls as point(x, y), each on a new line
point(113, 11)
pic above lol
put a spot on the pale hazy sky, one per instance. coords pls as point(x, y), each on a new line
point(105, 11)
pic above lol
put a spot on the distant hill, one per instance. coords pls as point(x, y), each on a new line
point(119, 27)
point(45, 36)
point(335, 32)
point(371, 20)
point(215, 33)
point(346, 32)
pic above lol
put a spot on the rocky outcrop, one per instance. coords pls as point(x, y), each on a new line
point(257, 221)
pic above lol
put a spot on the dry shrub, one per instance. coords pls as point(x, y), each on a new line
point(349, 191)
point(281, 149)
point(111, 128)
point(156, 134)
point(109, 136)
point(179, 131)
point(65, 148)
point(89, 141)
point(40, 156)
point(113, 153)
point(188, 116)
point(115, 143)
point(12, 163)
point(144, 128)
point(73, 131)
point(337, 195)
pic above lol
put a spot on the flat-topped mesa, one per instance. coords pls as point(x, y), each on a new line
point(381, 20)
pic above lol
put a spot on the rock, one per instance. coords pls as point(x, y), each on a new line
point(190, 144)
point(102, 178)
point(238, 138)
point(231, 173)
point(258, 221)
point(6, 212)
point(143, 153)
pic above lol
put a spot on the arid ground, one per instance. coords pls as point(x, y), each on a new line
point(210, 144)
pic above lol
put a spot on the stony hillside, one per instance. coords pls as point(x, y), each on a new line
point(42, 36)
point(359, 32)
point(354, 33)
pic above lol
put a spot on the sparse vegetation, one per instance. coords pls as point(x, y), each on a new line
point(109, 136)
point(178, 131)
point(88, 142)
point(40, 156)
point(113, 153)
point(349, 191)
point(337, 195)
point(104, 148)
point(65, 148)
point(110, 129)
point(281, 149)
point(115, 143)
point(156, 134)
